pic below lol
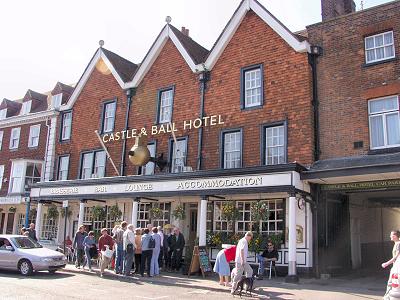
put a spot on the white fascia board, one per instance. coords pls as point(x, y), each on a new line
point(149, 59)
point(278, 28)
point(112, 69)
point(226, 36)
point(82, 82)
point(28, 119)
point(182, 51)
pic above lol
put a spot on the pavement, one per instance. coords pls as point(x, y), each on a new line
point(71, 283)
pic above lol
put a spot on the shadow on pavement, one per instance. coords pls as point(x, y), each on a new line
point(36, 275)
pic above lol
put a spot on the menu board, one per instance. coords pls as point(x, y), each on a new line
point(200, 261)
point(204, 259)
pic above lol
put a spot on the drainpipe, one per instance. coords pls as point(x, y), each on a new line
point(203, 78)
point(312, 59)
point(129, 94)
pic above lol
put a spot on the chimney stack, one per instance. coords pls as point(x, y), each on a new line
point(185, 31)
point(334, 8)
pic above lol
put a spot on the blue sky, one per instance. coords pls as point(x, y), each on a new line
point(45, 41)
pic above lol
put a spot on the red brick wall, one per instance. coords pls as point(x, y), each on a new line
point(86, 118)
point(345, 85)
point(23, 151)
point(287, 93)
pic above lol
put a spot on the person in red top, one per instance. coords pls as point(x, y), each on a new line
point(105, 242)
point(222, 264)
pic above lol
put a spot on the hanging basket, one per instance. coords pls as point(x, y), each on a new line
point(63, 213)
point(156, 213)
point(114, 212)
point(229, 211)
point(259, 211)
point(99, 213)
point(52, 212)
point(179, 212)
point(12, 209)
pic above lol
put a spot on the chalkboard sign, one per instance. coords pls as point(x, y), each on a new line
point(200, 261)
point(204, 260)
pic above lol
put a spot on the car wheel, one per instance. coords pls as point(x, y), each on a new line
point(25, 267)
point(52, 271)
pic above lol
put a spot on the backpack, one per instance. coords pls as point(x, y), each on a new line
point(152, 243)
point(129, 249)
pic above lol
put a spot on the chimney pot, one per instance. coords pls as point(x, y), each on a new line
point(185, 31)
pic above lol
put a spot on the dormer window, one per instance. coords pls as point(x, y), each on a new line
point(56, 101)
point(3, 113)
point(26, 107)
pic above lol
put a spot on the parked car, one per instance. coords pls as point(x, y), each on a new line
point(21, 253)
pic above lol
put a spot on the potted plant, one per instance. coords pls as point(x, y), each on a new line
point(114, 212)
point(179, 212)
point(99, 213)
point(52, 212)
point(156, 213)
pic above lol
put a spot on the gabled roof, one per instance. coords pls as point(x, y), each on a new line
point(13, 105)
point(192, 52)
point(32, 95)
point(197, 52)
point(120, 68)
point(124, 67)
point(61, 87)
point(297, 44)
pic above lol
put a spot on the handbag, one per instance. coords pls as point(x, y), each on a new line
point(108, 252)
point(152, 243)
point(129, 249)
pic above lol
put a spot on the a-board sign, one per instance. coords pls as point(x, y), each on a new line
point(200, 261)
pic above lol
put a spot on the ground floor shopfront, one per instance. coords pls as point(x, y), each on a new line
point(144, 200)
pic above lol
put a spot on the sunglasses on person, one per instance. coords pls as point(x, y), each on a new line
point(270, 245)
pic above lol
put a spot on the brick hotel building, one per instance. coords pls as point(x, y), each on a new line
point(256, 119)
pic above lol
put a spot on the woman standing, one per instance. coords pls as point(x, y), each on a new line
point(222, 264)
point(90, 247)
point(154, 266)
point(395, 237)
point(138, 250)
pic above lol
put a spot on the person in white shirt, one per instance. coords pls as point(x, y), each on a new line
point(241, 264)
point(161, 256)
point(129, 248)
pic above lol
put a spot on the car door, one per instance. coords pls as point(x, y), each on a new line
point(7, 257)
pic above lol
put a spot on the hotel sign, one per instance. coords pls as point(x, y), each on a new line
point(362, 185)
point(163, 128)
point(11, 200)
point(201, 184)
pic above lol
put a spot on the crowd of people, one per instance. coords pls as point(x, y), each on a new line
point(129, 250)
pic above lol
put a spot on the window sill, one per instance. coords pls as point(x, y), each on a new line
point(65, 141)
point(252, 107)
point(33, 147)
point(366, 65)
point(13, 149)
point(384, 151)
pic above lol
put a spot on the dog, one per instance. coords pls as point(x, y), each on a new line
point(247, 282)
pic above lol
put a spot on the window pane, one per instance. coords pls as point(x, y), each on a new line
point(388, 38)
point(100, 164)
point(377, 139)
point(380, 53)
point(87, 165)
point(382, 105)
point(378, 40)
point(165, 106)
point(393, 129)
point(389, 51)
point(109, 117)
point(232, 150)
point(252, 87)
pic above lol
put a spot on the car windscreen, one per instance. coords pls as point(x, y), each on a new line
point(25, 243)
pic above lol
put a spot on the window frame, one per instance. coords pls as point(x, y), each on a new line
point(171, 148)
point(243, 86)
point(263, 139)
point(93, 163)
point(57, 97)
point(11, 138)
point(3, 114)
point(1, 139)
point(103, 115)
point(2, 168)
point(59, 166)
point(30, 143)
point(62, 140)
point(11, 184)
point(222, 146)
point(385, 146)
point(375, 61)
point(159, 93)
point(26, 107)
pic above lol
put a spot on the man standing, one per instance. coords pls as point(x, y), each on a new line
point(78, 246)
point(129, 246)
point(147, 253)
point(119, 241)
point(32, 232)
point(269, 255)
point(161, 256)
point(241, 263)
point(105, 240)
point(177, 243)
